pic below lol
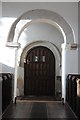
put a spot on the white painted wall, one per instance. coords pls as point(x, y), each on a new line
point(71, 68)
point(0, 70)
point(0, 9)
point(7, 55)
point(0, 25)
point(41, 31)
point(79, 37)
point(6, 69)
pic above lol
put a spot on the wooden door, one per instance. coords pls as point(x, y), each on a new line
point(39, 72)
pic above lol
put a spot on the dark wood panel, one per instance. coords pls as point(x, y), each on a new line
point(7, 89)
point(39, 75)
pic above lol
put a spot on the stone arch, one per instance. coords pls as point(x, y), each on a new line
point(41, 14)
point(43, 21)
point(44, 14)
point(47, 44)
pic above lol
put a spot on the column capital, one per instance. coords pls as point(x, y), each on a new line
point(66, 46)
point(14, 45)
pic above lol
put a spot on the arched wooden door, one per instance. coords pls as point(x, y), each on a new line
point(39, 72)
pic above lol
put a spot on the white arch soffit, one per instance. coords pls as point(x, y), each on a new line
point(47, 44)
point(31, 15)
point(43, 21)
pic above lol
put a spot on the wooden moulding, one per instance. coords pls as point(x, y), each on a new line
point(74, 46)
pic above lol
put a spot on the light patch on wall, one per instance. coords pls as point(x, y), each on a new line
point(6, 54)
point(5, 24)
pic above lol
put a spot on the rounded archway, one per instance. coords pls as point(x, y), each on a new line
point(43, 15)
point(39, 72)
point(37, 16)
point(47, 44)
point(43, 21)
point(53, 48)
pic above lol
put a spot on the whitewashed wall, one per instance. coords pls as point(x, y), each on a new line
point(42, 31)
point(0, 70)
point(7, 55)
point(69, 11)
point(79, 37)
point(71, 61)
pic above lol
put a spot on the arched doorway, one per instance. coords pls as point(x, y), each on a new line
point(39, 72)
point(44, 16)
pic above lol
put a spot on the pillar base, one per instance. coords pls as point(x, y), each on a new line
point(63, 101)
point(15, 100)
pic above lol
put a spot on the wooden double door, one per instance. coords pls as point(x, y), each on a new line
point(39, 72)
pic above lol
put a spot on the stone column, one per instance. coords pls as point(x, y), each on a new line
point(15, 74)
point(65, 47)
point(16, 46)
